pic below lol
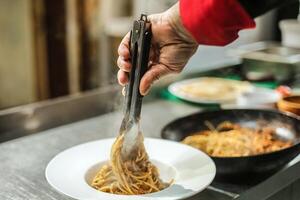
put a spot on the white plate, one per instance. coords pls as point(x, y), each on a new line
point(259, 98)
point(211, 86)
point(192, 170)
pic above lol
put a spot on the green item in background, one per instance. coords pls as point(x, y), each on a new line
point(269, 84)
point(232, 77)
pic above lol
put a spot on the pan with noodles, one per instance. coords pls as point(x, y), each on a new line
point(232, 140)
point(240, 141)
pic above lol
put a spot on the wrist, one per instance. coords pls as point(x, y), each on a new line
point(172, 15)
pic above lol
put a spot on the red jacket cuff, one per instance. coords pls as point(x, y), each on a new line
point(214, 22)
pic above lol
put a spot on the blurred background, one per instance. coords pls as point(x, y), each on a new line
point(58, 88)
point(60, 47)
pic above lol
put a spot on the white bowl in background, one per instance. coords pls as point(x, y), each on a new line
point(258, 98)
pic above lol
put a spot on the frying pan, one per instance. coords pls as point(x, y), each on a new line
point(286, 126)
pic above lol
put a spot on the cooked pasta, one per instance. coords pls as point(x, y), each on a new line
point(232, 140)
point(133, 176)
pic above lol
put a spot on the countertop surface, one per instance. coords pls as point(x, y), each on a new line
point(23, 160)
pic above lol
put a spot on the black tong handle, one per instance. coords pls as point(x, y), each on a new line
point(140, 43)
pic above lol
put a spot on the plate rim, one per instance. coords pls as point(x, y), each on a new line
point(149, 139)
point(174, 86)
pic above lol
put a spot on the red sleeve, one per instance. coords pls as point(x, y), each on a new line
point(214, 22)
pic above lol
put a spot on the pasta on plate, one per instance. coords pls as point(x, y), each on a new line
point(133, 176)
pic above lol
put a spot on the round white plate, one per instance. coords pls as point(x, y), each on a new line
point(71, 171)
point(213, 87)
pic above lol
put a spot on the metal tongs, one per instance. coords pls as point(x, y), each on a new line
point(140, 42)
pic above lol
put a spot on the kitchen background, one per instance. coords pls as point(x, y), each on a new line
point(58, 89)
point(60, 47)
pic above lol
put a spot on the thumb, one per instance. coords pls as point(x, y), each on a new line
point(154, 73)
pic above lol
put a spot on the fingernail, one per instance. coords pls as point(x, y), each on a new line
point(146, 91)
point(120, 83)
point(123, 91)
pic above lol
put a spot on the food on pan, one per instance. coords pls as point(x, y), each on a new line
point(209, 89)
point(133, 176)
point(232, 140)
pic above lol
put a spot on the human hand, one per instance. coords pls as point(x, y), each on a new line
point(171, 48)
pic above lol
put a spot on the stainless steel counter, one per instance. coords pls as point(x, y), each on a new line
point(23, 160)
point(33, 118)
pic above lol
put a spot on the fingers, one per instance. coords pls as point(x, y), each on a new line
point(124, 54)
point(123, 61)
point(123, 49)
point(124, 65)
point(122, 78)
point(153, 74)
